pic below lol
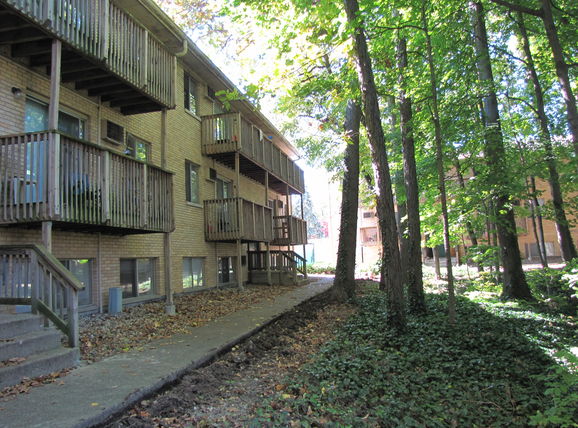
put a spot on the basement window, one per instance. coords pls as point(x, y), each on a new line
point(137, 277)
point(192, 272)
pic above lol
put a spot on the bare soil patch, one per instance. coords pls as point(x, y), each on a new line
point(227, 391)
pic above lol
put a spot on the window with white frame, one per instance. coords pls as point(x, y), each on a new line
point(226, 269)
point(36, 119)
point(192, 182)
point(82, 270)
point(137, 277)
point(137, 148)
point(192, 272)
point(190, 91)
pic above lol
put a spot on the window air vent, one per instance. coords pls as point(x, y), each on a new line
point(112, 132)
point(212, 174)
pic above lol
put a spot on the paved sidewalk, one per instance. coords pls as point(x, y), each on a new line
point(92, 393)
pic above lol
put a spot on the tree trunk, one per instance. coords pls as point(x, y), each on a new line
point(344, 283)
point(413, 267)
point(469, 227)
point(562, 229)
point(436, 257)
point(391, 270)
point(560, 64)
point(537, 235)
point(515, 286)
point(561, 71)
point(440, 167)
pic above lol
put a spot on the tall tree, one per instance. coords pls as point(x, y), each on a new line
point(515, 285)
point(344, 283)
point(439, 143)
point(391, 268)
point(561, 66)
point(413, 265)
point(562, 228)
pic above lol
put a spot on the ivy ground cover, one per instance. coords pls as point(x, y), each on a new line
point(502, 364)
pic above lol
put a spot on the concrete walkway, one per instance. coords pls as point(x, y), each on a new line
point(92, 393)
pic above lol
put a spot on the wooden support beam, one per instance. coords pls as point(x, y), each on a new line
point(47, 235)
point(21, 35)
point(111, 93)
point(45, 58)
point(167, 254)
point(132, 100)
point(31, 48)
point(12, 22)
point(239, 266)
point(75, 67)
point(142, 108)
point(101, 82)
point(79, 76)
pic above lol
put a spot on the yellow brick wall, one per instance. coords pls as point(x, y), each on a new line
point(183, 143)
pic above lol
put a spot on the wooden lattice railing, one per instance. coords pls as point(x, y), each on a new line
point(289, 230)
point(31, 275)
point(287, 261)
point(47, 176)
point(230, 132)
point(236, 218)
point(105, 32)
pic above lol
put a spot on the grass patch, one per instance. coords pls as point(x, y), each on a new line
point(501, 365)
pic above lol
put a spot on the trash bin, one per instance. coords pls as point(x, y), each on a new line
point(114, 300)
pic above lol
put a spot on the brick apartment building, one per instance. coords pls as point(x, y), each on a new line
point(117, 156)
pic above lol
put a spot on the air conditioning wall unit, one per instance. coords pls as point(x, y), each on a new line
point(112, 132)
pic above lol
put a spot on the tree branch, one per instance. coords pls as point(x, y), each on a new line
point(523, 101)
point(518, 8)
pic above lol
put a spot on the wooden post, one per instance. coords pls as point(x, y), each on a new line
point(53, 162)
point(47, 235)
point(268, 262)
point(72, 317)
point(304, 238)
point(99, 271)
point(170, 305)
point(239, 266)
point(167, 254)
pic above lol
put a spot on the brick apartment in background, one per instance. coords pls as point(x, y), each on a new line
point(117, 157)
point(369, 240)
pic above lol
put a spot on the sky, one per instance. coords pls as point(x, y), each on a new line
point(237, 66)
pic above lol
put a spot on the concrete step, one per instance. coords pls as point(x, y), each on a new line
point(13, 325)
point(29, 343)
point(38, 365)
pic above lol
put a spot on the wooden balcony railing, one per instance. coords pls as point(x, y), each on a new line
point(278, 261)
point(31, 275)
point(230, 132)
point(104, 32)
point(47, 176)
point(236, 218)
point(289, 230)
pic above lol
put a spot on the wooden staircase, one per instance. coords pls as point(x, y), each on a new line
point(31, 275)
point(28, 349)
point(287, 267)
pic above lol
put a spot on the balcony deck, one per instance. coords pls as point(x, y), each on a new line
point(227, 133)
point(232, 219)
point(46, 176)
point(289, 230)
point(105, 51)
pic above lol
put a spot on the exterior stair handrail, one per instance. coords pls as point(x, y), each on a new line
point(30, 274)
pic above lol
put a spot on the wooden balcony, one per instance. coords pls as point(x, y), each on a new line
point(289, 230)
point(231, 219)
point(227, 133)
point(105, 51)
point(46, 176)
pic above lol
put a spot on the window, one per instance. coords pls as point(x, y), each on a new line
point(533, 253)
point(82, 270)
point(368, 214)
point(136, 277)
point(369, 235)
point(190, 94)
point(192, 182)
point(137, 148)
point(36, 120)
point(223, 188)
point(226, 266)
point(192, 272)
